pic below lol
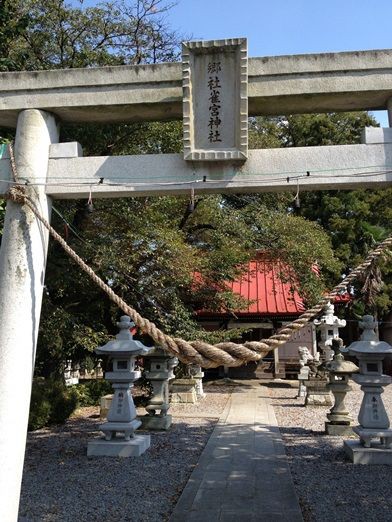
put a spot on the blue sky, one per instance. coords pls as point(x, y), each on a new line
point(284, 26)
point(287, 26)
point(290, 26)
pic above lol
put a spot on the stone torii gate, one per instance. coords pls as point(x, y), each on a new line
point(215, 87)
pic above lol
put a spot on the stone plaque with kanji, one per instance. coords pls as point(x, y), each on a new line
point(215, 104)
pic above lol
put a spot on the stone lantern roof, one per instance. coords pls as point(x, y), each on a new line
point(341, 367)
point(124, 344)
point(369, 343)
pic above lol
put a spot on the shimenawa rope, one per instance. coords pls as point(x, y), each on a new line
point(199, 352)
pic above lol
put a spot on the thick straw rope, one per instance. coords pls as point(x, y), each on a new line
point(199, 352)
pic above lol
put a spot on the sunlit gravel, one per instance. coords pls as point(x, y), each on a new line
point(328, 486)
point(60, 483)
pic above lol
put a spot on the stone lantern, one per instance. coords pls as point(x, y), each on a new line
point(339, 423)
point(160, 371)
point(373, 419)
point(197, 373)
point(328, 325)
point(121, 418)
point(317, 390)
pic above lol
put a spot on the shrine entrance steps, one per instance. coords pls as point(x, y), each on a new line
point(243, 473)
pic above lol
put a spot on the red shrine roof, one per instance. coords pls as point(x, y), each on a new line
point(268, 294)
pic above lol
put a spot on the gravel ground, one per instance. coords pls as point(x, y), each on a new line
point(328, 486)
point(60, 483)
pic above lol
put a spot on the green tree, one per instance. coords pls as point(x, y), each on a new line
point(117, 32)
point(13, 24)
point(355, 220)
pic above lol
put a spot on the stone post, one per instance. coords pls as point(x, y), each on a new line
point(373, 418)
point(303, 375)
point(160, 371)
point(67, 372)
point(198, 374)
point(22, 272)
point(98, 370)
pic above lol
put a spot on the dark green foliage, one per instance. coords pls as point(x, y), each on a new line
point(51, 403)
point(13, 24)
point(90, 393)
point(56, 34)
point(355, 220)
point(307, 130)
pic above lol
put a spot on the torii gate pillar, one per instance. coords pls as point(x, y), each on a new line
point(389, 107)
point(22, 272)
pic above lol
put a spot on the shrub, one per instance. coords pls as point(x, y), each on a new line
point(90, 393)
point(39, 408)
point(51, 403)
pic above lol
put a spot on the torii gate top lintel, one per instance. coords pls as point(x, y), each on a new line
point(276, 85)
point(214, 89)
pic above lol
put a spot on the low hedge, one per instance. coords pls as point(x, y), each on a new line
point(90, 393)
point(51, 403)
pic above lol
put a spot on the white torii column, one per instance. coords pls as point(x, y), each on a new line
point(22, 272)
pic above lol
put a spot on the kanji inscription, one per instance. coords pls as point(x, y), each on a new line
point(215, 100)
point(214, 85)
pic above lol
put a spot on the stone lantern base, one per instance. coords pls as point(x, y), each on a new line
point(183, 390)
point(113, 445)
point(339, 423)
point(338, 430)
point(119, 447)
point(368, 451)
point(317, 393)
point(156, 422)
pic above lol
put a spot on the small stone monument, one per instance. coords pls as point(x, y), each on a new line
point(183, 390)
point(160, 371)
point(98, 370)
point(198, 374)
point(104, 405)
point(373, 419)
point(328, 325)
point(339, 423)
point(69, 374)
point(304, 357)
point(317, 393)
point(121, 417)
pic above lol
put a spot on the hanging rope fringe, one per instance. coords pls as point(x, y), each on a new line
point(199, 352)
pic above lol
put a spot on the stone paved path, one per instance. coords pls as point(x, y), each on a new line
point(242, 474)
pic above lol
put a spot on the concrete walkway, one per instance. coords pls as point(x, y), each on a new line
point(242, 474)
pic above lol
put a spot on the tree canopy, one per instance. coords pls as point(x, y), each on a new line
point(355, 220)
